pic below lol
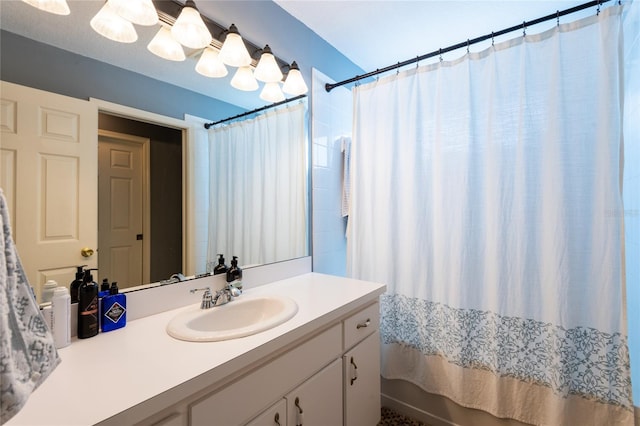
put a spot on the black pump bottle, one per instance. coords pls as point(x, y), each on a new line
point(75, 284)
point(220, 268)
point(87, 307)
point(234, 274)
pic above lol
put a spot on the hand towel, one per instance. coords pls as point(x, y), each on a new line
point(27, 351)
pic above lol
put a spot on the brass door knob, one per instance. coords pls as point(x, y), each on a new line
point(86, 252)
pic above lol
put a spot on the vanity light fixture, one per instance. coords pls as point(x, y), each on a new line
point(165, 46)
point(244, 80)
point(109, 24)
point(294, 83)
point(189, 29)
point(234, 52)
point(267, 69)
point(210, 64)
point(271, 92)
point(58, 7)
point(141, 12)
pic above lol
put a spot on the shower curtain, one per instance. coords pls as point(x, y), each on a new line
point(257, 210)
point(486, 194)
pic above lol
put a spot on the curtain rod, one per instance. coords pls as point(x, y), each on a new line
point(329, 86)
point(244, 114)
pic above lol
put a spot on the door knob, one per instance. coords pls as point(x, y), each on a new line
point(86, 252)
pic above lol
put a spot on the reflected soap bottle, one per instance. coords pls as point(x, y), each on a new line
point(220, 268)
point(234, 274)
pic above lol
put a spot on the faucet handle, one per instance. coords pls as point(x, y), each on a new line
point(207, 299)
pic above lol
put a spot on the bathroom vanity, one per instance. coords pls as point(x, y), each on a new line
point(320, 367)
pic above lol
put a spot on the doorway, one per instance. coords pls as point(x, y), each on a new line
point(153, 251)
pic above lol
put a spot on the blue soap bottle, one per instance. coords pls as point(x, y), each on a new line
point(114, 309)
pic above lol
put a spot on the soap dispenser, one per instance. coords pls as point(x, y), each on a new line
point(114, 309)
point(75, 284)
point(234, 274)
point(87, 306)
point(220, 268)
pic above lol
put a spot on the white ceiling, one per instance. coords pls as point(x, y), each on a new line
point(373, 34)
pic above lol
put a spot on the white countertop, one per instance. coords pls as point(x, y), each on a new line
point(110, 373)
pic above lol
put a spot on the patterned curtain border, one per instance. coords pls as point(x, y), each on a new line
point(579, 361)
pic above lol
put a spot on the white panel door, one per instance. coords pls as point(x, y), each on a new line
point(49, 170)
point(120, 208)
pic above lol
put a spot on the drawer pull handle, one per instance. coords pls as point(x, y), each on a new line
point(276, 419)
point(354, 371)
point(299, 416)
point(364, 324)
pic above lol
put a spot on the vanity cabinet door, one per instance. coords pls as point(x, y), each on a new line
point(318, 401)
point(362, 383)
point(276, 415)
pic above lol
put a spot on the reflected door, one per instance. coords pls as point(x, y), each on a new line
point(48, 174)
point(121, 181)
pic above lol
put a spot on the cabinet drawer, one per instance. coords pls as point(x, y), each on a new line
point(360, 325)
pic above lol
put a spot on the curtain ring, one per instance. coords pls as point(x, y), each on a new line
point(492, 39)
point(598, 10)
point(440, 50)
point(467, 46)
point(524, 28)
point(557, 17)
point(417, 61)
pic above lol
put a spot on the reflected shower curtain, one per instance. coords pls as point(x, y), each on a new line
point(486, 194)
point(258, 213)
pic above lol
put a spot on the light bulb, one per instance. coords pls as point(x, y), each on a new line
point(165, 46)
point(59, 7)
point(294, 83)
point(189, 29)
point(210, 64)
point(109, 24)
point(141, 12)
point(243, 80)
point(271, 92)
point(233, 52)
point(267, 69)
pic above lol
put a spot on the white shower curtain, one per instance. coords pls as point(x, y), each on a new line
point(486, 194)
point(258, 212)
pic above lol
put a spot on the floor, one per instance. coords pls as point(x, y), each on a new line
point(392, 418)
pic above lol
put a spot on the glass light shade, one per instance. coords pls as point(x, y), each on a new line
point(165, 46)
point(267, 69)
point(294, 84)
point(234, 52)
point(243, 79)
point(59, 7)
point(109, 24)
point(141, 12)
point(190, 30)
point(271, 92)
point(210, 64)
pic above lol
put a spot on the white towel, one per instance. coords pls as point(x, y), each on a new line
point(27, 351)
point(346, 182)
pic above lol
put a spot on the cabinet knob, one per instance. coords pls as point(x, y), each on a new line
point(364, 324)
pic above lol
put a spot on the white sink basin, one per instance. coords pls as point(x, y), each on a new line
point(241, 317)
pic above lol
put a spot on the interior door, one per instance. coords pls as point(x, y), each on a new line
point(121, 165)
point(49, 172)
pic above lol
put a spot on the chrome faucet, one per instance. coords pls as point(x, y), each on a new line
point(221, 297)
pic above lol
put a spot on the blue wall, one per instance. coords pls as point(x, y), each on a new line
point(38, 65)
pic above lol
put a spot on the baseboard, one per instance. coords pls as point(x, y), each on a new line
point(414, 412)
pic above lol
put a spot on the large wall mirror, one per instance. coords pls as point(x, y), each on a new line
point(142, 190)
